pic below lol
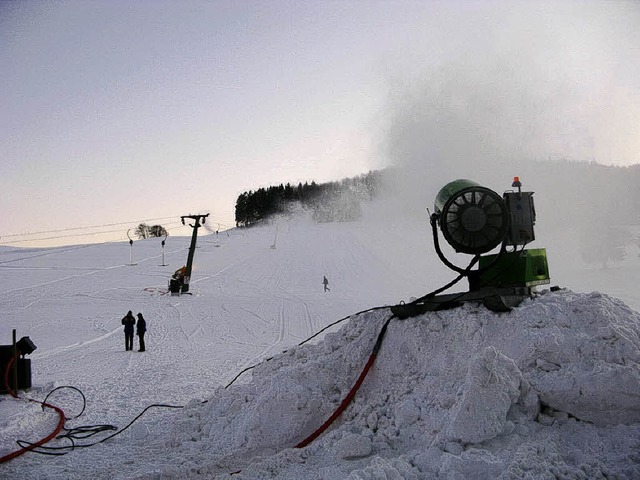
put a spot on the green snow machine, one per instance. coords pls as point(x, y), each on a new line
point(475, 220)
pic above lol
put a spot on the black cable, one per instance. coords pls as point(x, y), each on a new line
point(341, 320)
point(84, 400)
point(305, 341)
point(42, 450)
point(439, 290)
point(436, 243)
point(155, 405)
point(86, 432)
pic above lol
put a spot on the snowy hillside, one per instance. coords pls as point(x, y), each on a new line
point(547, 390)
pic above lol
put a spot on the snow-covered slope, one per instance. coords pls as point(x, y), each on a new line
point(549, 389)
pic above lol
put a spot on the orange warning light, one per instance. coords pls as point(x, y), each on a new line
point(516, 183)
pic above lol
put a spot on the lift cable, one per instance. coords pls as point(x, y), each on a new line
point(88, 227)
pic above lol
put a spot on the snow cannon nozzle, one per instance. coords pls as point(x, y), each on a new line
point(473, 218)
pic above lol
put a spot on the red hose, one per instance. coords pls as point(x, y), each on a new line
point(342, 407)
point(352, 393)
point(49, 437)
point(32, 446)
point(6, 379)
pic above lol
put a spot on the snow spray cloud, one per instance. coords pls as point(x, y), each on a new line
point(506, 89)
point(503, 84)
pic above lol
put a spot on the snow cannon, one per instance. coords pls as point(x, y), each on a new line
point(476, 220)
point(473, 219)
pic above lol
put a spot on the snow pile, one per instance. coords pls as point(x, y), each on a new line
point(549, 389)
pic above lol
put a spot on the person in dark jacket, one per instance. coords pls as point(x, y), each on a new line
point(128, 321)
point(141, 327)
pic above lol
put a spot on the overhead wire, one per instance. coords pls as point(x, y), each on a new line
point(37, 235)
point(88, 227)
point(55, 250)
point(57, 237)
point(70, 229)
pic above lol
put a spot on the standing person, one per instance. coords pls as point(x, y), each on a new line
point(141, 327)
point(128, 321)
point(325, 282)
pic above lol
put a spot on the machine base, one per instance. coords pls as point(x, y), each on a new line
point(494, 299)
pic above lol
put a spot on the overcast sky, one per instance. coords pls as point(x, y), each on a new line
point(115, 112)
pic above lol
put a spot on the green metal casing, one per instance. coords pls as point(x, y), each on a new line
point(526, 268)
point(450, 190)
